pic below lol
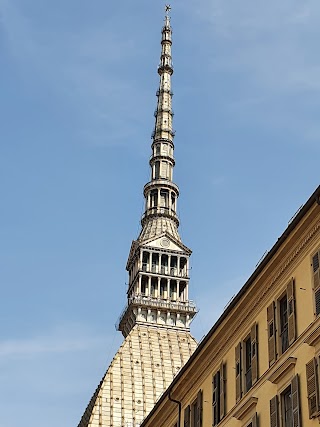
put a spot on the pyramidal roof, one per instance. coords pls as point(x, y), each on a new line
point(142, 369)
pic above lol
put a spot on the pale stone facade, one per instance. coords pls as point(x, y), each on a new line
point(156, 320)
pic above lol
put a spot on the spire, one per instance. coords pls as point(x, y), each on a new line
point(161, 193)
point(158, 262)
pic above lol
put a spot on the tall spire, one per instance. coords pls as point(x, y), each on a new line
point(156, 320)
point(158, 262)
point(161, 193)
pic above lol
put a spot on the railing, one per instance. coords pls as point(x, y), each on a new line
point(157, 303)
point(163, 269)
point(160, 211)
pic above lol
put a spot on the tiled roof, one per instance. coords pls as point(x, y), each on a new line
point(142, 369)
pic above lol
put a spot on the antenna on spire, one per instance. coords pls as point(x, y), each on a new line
point(167, 18)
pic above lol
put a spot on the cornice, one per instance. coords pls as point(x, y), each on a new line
point(246, 406)
point(284, 369)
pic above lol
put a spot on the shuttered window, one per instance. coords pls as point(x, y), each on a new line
point(288, 415)
point(246, 362)
point(313, 387)
point(218, 395)
point(316, 281)
point(291, 312)
point(253, 422)
point(254, 353)
point(281, 328)
point(271, 333)
point(295, 401)
point(238, 372)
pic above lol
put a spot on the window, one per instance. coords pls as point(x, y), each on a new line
point(164, 170)
point(316, 281)
point(246, 363)
point(218, 395)
point(312, 374)
point(253, 422)
point(284, 339)
point(286, 406)
point(288, 415)
point(193, 413)
point(282, 314)
point(157, 170)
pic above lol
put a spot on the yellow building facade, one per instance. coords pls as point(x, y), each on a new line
point(259, 364)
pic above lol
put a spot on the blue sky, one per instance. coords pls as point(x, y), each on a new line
point(78, 82)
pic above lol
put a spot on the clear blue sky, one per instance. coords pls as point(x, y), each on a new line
point(77, 83)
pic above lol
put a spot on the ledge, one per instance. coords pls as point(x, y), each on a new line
point(245, 407)
point(314, 338)
point(286, 367)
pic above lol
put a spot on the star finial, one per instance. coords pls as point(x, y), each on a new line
point(168, 9)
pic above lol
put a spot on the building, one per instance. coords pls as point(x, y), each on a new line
point(156, 321)
point(259, 364)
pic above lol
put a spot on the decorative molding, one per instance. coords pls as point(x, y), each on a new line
point(245, 407)
point(314, 338)
point(284, 369)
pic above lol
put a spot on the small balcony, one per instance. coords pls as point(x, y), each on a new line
point(187, 307)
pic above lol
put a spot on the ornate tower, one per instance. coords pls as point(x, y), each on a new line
point(156, 320)
point(158, 262)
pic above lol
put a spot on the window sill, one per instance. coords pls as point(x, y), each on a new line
point(283, 370)
point(247, 406)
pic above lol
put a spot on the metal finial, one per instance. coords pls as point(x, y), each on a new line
point(168, 9)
